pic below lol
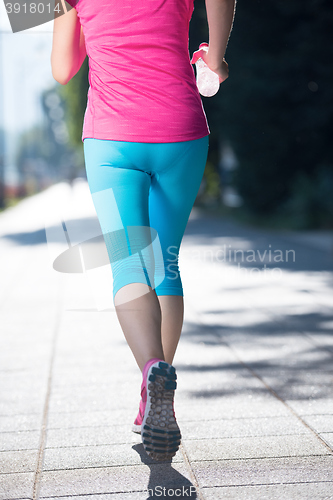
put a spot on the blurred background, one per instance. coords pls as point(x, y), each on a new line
point(270, 160)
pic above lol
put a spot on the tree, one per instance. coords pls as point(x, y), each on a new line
point(276, 104)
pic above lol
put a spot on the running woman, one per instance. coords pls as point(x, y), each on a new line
point(145, 140)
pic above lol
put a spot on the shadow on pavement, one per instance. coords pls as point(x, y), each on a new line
point(294, 371)
point(262, 245)
point(266, 247)
point(164, 481)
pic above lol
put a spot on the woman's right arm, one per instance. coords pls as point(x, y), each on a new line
point(220, 17)
point(68, 47)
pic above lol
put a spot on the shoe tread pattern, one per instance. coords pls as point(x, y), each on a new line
point(159, 431)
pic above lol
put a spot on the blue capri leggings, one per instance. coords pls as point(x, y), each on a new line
point(143, 194)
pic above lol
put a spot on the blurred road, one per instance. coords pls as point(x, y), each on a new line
point(255, 395)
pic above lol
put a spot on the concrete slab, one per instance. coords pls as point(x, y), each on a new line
point(64, 420)
point(133, 495)
point(328, 438)
point(226, 382)
point(23, 422)
point(113, 479)
point(129, 388)
point(254, 447)
point(19, 440)
point(312, 406)
point(83, 457)
point(321, 423)
point(264, 471)
point(240, 406)
point(323, 339)
point(302, 392)
point(14, 486)
point(306, 491)
point(286, 375)
point(18, 461)
point(90, 436)
point(74, 376)
point(16, 405)
point(19, 361)
point(95, 402)
point(243, 427)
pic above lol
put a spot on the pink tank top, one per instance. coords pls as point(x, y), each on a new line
point(142, 84)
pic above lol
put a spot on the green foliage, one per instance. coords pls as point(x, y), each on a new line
point(212, 188)
point(311, 204)
point(277, 104)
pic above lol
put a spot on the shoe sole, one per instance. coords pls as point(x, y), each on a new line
point(159, 430)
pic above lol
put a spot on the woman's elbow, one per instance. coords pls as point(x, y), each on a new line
point(60, 78)
point(59, 72)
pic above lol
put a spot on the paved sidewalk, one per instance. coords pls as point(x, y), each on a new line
point(255, 395)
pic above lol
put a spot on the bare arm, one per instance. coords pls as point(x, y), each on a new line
point(68, 47)
point(220, 17)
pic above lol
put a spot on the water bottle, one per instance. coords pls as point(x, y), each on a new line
point(208, 82)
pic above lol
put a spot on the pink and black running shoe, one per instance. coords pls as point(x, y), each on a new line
point(156, 420)
point(159, 429)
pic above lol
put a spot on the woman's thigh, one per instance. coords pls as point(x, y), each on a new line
point(120, 193)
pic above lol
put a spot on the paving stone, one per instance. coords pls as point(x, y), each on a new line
point(17, 394)
point(21, 406)
point(21, 380)
point(95, 402)
point(133, 495)
point(74, 398)
point(243, 427)
point(305, 491)
point(307, 392)
point(324, 339)
point(320, 423)
point(200, 349)
point(264, 471)
point(239, 406)
point(312, 406)
point(18, 461)
point(275, 357)
point(328, 437)
point(14, 486)
point(19, 440)
point(129, 389)
point(19, 361)
point(254, 447)
point(23, 422)
point(82, 457)
point(76, 377)
point(218, 382)
point(112, 479)
point(290, 376)
point(63, 420)
point(94, 436)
